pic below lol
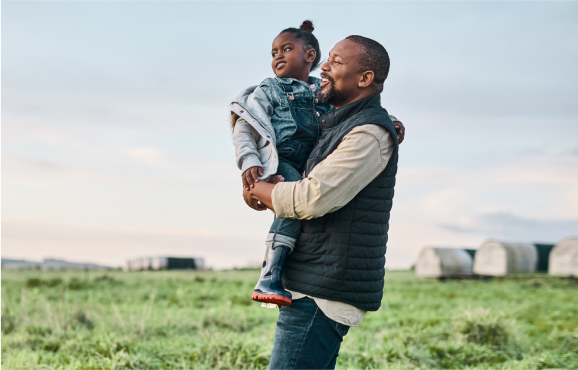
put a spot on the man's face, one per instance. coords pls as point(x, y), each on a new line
point(340, 74)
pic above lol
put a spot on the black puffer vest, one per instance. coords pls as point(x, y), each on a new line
point(341, 256)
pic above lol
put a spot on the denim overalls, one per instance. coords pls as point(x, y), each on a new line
point(296, 124)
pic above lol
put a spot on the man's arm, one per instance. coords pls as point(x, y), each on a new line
point(358, 159)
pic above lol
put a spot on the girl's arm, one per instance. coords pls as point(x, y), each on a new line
point(245, 139)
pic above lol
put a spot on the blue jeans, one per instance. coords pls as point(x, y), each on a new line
point(284, 231)
point(305, 338)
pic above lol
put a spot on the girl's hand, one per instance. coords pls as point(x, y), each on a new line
point(251, 176)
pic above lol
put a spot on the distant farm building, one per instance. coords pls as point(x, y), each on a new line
point(444, 262)
point(127, 266)
point(147, 263)
point(165, 263)
point(136, 264)
point(564, 258)
point(495, 258)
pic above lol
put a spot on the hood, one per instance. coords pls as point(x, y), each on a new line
point(242, 97)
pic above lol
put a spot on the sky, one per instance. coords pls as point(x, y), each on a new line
point(116, 144)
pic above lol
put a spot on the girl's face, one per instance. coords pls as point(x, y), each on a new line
point(290, 59)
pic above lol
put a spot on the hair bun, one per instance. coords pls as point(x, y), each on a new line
point(307, 26)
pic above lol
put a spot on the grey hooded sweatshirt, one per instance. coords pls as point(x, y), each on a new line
point(253, 133)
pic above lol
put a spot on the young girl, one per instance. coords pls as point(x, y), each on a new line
point(275, 126)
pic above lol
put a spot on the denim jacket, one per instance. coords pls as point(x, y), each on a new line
point(278, 118)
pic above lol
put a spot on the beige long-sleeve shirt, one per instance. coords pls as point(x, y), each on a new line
point(358, 160)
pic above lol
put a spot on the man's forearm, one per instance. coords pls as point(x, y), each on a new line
point(358, 159)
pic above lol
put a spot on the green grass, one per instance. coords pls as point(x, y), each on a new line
point(206, 320)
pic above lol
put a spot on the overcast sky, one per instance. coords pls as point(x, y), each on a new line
point(115, 140)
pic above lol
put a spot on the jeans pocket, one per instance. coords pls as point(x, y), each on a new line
point(286, 151)
point(290, 151)
point(342, 329)
point(303, 116)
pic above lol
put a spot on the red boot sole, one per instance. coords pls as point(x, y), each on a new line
point(275, 299)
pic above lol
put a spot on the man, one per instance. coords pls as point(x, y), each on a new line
point(335, 274)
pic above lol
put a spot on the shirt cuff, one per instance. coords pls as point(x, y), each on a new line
point(282, 199)
point(250, 160)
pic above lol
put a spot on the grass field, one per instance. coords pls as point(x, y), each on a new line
point(203, 320)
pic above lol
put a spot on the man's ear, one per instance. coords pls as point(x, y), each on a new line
point(310, 55)
point(365, 79)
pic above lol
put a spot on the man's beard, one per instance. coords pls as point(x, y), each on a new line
point(332, 95)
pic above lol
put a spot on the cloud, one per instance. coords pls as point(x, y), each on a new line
point(148, 156)
point(35, 164)
point(526, 198)
point(512, 227)
point(28, 172)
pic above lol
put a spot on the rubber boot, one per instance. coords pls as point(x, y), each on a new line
point(269, 289)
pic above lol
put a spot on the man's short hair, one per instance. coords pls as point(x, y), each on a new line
point(374, 58)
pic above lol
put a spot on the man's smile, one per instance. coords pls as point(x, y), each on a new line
point(326, 80)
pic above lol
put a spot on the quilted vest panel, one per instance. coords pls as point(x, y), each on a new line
point(341, 256)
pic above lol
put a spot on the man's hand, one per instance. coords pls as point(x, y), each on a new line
point(252, 202)
point(259, 196)
point(276, 179)
point(400, 129)
point(251, 176)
